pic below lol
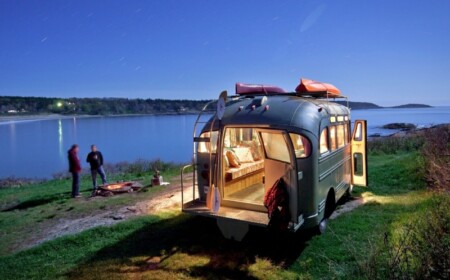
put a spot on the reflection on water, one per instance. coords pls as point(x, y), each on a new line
point(12, 138)
point(38, 148)
point(60, 139)
point(74, 128)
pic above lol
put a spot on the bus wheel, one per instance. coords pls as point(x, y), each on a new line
point(322, 226)
point(330, 205)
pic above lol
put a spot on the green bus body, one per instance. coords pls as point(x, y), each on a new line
point(317, 178)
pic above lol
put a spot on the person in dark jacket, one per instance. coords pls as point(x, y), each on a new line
point(95, 159)
point(75, 169)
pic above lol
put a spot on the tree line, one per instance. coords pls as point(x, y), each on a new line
point(120, 106)
point(96, 106)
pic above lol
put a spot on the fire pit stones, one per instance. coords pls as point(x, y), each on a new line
point(119, 187)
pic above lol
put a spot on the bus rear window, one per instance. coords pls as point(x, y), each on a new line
point(203, 147)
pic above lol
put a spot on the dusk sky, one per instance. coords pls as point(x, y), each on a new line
point(387, 52)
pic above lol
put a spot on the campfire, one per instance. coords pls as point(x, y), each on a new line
point(117, 188)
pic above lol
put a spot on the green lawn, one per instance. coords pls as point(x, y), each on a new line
point(172, 245)
point(27, 212)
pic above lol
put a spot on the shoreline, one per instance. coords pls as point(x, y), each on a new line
point(18, 118)
point(48, 116)
point(43, 117)
point(13, 180)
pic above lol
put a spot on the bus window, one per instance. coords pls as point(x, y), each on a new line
point(302, 146)
point(323, 141)
point(333, 141)
point(357, 134)
point(275, 146)
point(203, 147)
point(340, 136)
point(244, 142)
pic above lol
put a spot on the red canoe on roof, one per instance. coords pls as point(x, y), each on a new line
point(317, 89)
point(246, 89)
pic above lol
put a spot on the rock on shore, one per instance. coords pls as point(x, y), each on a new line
point(401, 126)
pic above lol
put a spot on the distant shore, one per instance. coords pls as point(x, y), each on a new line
point(15, 118)
point(35, 117)
point(39, 117)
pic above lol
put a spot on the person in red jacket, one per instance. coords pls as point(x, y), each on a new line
point(75, 169)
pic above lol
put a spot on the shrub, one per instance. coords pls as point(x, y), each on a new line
point(436, 155)
point(391, 145)
point(422, 251)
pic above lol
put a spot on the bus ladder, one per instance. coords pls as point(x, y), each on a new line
point(202, 119)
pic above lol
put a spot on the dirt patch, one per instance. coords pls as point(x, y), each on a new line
point(167, 199)
point(347, 206)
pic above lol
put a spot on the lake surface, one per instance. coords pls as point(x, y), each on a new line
point(38, 148)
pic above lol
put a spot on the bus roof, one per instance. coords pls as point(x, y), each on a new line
point(280, 111)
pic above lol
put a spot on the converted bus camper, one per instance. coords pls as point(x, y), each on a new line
point(264, 134)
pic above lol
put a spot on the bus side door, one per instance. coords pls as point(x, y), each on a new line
point(359, 153)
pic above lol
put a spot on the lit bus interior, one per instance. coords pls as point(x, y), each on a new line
point(253, 159)
point(243, 166)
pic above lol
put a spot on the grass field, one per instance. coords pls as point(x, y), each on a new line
point(172, 245)
point(27, 212)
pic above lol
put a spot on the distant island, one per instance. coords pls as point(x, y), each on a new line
point(16, 105)
point(368, 105)
point(412, 105)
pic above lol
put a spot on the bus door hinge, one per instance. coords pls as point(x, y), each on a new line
point(300, 175)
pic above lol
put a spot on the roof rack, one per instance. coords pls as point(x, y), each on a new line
point(307, 88)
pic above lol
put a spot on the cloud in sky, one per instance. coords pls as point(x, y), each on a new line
point(312, 18)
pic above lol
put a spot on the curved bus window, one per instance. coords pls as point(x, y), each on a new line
point(302, 146)
point(203, 147)
point(275, 146)
point(323, 145)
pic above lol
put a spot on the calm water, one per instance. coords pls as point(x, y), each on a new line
point(39, 148)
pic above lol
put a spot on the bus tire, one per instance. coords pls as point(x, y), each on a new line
point(330, 204)
point(322, 226)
